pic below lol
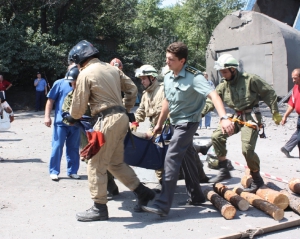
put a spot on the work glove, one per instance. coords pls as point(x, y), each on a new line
point(277, 118)
point(133, 126)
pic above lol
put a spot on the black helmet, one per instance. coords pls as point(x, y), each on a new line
point(72, 74)
point(82, 51)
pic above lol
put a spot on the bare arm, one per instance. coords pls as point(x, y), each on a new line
point(9, 86)
point(226, 124)
point(163, 116)
point(48, 108)
point(287, 113)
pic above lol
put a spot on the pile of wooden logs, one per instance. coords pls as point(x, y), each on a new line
point(272, 202)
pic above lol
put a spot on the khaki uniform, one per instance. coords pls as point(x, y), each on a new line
point(129, 89)
point(242, 94)
point(150, 106)
point(151, 103)
point(99, 85)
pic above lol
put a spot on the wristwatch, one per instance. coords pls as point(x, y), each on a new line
point(224, 117)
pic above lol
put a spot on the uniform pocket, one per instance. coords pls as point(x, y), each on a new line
point(182, 92)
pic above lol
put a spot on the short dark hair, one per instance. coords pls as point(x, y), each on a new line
point(179, 49)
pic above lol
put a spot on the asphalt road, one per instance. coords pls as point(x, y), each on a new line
point(33, 206)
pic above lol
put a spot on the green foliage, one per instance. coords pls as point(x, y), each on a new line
point(37, 35)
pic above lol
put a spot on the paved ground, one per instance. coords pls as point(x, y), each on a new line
point(33, 206)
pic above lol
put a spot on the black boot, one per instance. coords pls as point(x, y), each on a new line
point(98, 212)
point(256, 184)
point(112, 188)
point(144, 195)
point(223, 172)
point(203, 149)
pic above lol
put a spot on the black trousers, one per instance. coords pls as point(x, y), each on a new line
point(180, 152)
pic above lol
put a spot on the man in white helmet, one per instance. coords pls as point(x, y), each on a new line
point(241, 92)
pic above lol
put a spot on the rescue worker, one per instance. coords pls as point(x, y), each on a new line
point(150, 106)
point(99, 85)
point(112, 188)
point(129, 89)
point(117, 63)
point(185, 92)
point(241, 92)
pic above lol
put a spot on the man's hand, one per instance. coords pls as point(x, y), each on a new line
point(11, 118)
point(133, 126)
point(283, 121)
point(47, 121)
point(277, 118)
point(157, 129)
point(227, 126)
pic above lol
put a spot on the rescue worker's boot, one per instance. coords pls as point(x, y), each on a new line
point(203, 149)
point(223, 172)
point(144, 195)
point(98, 212)
point(112, 188)
point(256, 184)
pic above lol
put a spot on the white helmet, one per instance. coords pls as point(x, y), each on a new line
point(226, 61)
point(146, 70)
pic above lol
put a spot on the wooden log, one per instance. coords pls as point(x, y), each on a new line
point(247, 171)
point(263, 205)
point(294, 185)
point(232, 197)
point(294, 201)
point(246, 181)
point(274, 197)
point(227, 210)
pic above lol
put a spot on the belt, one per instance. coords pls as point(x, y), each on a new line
point(112, 110)
point(255, 110)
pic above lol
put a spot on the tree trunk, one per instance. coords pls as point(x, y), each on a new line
point(246, 181)
point(256, 201)
point(231, 197)
point(294, 185)
point(272, 196)
point(294, 201)
point(227, 210)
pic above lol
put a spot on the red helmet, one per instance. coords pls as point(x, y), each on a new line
point(116, 62)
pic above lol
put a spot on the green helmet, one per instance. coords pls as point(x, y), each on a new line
point(226, 61)
point(146, 70)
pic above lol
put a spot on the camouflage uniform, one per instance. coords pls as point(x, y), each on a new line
point(150, 106)
point(242, 94)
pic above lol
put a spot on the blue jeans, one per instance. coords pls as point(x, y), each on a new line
point(207, 120)
point(70, 135)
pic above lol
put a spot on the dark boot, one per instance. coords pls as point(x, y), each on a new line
point(203, 149)
point(223, 172)
point(256, 184)
point(112, 188)
point(144, 195)
point(98, 212)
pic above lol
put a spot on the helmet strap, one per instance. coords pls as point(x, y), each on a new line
point(232, 74)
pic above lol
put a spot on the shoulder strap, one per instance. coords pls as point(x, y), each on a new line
point(193, 70)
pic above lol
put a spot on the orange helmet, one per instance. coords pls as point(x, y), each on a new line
point(116, 62)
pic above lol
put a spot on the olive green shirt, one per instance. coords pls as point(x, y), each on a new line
point(244, 92)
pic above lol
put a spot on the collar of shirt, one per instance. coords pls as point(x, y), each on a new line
point(181, 73)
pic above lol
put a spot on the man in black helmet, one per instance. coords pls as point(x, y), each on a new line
point(62, 133)
point(100, 84)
